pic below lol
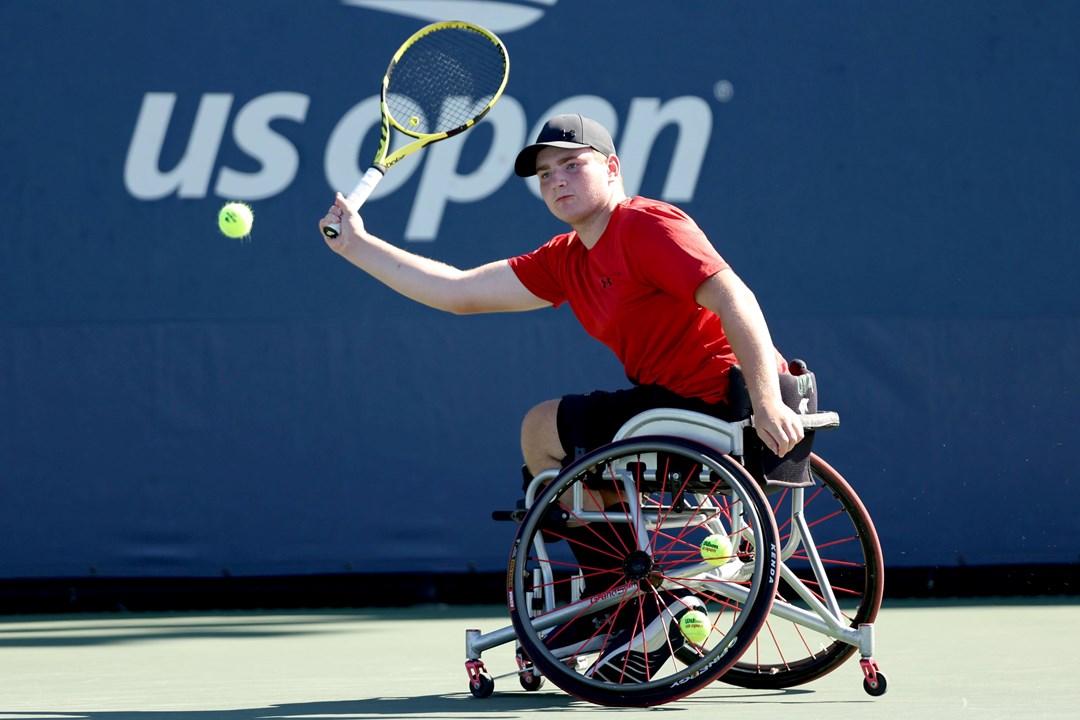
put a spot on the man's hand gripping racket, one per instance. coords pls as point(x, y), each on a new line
point(440, 82)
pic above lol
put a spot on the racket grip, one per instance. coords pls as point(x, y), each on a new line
point(358, 196)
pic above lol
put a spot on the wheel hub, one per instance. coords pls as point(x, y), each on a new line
point(638, 565)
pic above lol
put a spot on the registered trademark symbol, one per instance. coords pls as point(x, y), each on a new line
point(724, 91)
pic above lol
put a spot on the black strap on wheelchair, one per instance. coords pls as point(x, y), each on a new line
point(799, 391)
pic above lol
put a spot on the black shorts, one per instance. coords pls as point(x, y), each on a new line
point(586, 422)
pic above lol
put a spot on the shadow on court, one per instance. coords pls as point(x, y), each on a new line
point(455, 705)
point(94, 633)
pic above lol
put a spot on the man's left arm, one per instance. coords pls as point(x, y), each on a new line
point(725, 294)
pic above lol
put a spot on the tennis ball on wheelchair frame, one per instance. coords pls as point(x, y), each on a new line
point(716, 549)
point(695, 626)
point(234, 220)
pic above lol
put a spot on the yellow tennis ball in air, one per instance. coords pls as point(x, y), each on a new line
point(235, 220)
point(695, 626)
point(716, 549)
point(414, 121)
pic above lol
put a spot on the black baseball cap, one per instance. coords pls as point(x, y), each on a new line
point(564, 131)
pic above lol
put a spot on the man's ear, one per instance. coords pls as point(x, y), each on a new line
point(613, 166)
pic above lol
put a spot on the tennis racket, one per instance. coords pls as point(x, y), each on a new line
point(441, 82)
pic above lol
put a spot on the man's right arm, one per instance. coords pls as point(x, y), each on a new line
point(493, 287)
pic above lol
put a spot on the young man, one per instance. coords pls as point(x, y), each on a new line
point(639, 275)
point(643, 279)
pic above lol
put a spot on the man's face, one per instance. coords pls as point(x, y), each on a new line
point(574, 182)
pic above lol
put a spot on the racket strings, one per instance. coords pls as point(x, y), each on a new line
point(444, 80)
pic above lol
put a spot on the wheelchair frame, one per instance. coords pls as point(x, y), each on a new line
point(813, 608)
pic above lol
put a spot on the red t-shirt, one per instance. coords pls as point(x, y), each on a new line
point(634, 292)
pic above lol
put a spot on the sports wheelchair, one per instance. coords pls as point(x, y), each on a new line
point(788, 589)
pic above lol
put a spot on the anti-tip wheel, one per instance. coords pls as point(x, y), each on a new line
point(482, 686)
point(877, 688)
point(531, 681)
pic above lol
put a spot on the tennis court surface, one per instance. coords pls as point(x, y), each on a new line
point(1015, 659)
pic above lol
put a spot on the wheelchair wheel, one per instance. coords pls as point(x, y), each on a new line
point(850, 580)
point(607, 566)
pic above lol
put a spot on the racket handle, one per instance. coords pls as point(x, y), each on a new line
point(357, 197)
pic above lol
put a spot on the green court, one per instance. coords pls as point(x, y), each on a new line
point(984, 660)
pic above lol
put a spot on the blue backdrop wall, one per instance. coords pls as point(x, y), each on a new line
point(897, 180)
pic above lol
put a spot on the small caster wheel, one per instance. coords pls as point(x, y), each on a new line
point(531, 681)
point(878, 688)
point(482, 686)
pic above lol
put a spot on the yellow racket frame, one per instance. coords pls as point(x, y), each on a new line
point(384, 161)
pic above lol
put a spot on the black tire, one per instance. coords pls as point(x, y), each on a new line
point(482, 686)
point(848, 544)
point(878, 689)
point(531, 681)
point(647, 580)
